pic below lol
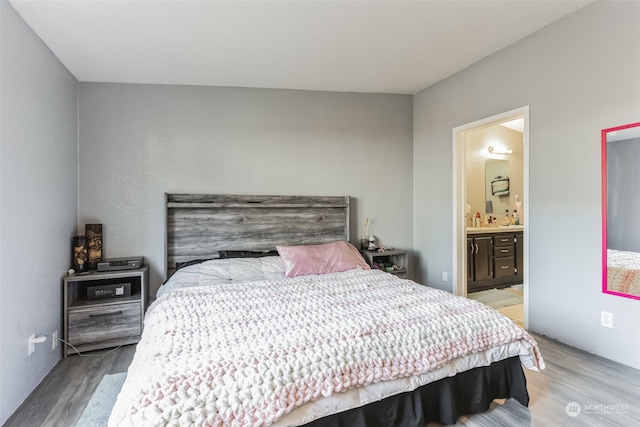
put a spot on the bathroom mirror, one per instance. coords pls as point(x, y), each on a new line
point(497, 186)
point(620, 208)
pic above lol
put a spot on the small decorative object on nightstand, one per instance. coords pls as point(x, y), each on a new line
point(372, 243)
point(93, 232)
point(104, 309)
point(364, 242)
point(79, 253)
point(390, 260)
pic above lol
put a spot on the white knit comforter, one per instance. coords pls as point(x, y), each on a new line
point(623, 272)
point(248, 354)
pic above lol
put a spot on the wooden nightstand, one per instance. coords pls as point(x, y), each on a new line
point(392, 261)
point(104, 309)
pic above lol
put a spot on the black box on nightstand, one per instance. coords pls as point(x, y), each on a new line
point(117, 290)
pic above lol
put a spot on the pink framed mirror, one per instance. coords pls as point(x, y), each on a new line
point(621, 211)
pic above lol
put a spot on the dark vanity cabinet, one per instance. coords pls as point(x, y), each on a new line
point(504, 255)
point(479, 258)
point(494, 260)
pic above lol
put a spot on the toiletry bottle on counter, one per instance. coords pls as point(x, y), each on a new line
point(476, 220)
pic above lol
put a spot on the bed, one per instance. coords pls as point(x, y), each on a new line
point(270, 317)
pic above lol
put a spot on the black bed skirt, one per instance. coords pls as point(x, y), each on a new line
point(443, 401)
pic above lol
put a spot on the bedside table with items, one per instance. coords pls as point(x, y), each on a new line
point(104, 309)
point(391, 260)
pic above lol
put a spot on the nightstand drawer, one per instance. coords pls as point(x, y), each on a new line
point(104, 322)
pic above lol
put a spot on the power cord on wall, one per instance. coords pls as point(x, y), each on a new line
point(91, 355)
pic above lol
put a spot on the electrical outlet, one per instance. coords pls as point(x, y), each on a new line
point(32, 344)
point(606, 319)
point(54, 340)
point(445, 277)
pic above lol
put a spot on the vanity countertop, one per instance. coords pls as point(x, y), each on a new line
point(498, 229)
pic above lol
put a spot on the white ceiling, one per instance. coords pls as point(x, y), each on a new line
point(387, 46)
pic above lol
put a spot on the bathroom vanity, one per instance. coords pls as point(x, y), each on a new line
point(494, 257)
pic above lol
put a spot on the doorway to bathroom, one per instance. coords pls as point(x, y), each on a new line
point(491, 175)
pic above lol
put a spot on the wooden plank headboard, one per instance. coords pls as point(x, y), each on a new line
point(200, 225)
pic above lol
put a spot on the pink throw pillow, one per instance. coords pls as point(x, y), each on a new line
point(320, 259)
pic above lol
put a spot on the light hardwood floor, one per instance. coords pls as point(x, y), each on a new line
point(605, 393)
point(515, 313)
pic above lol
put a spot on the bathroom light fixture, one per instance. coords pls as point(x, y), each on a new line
point(499, 150)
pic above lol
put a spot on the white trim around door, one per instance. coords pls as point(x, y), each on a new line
point(459, 200)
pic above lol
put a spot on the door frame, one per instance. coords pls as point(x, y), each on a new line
point(459, 200)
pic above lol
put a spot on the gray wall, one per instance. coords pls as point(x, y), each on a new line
point(139, 141)
point(38, 193)
point(578, 75)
